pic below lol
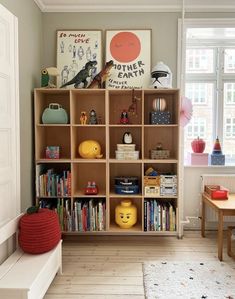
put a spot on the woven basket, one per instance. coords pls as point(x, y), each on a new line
point(39, 232)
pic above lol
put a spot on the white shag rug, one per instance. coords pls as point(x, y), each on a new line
point(189, 280)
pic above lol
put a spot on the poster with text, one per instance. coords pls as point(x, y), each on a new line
point(75, 48)
point(131, 52)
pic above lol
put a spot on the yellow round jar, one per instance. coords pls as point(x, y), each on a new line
point(126, 214)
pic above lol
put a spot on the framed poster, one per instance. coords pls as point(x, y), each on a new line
point(131, 52)
point(74, 49)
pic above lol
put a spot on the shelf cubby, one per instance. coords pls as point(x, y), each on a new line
point(162, 168)
point(80, 134)
point(84, 172)
point(114, 227)
point(49, 171)
point(172, 103)
point(124, 169)
point(49, 136)
point(44, 97)
point(167, 136)
point(116, 136)
point(86, 100)
point(120, 100)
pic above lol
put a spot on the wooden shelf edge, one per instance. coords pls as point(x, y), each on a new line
point(53, 161)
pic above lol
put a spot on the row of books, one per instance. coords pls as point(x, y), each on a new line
point(86, 215)
point(51, 183)
point(159, 216)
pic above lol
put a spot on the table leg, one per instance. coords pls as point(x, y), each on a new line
point(220, 236)
point(203, 219)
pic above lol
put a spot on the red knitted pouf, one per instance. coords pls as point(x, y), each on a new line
point(39, 232)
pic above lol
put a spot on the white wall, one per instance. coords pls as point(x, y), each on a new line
point(192, 184)
point(30, 46)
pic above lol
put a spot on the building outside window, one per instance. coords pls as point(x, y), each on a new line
point(209, 82)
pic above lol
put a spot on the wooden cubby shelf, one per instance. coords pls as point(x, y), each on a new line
point(69, 175)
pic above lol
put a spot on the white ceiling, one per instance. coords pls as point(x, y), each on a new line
point(135, 5)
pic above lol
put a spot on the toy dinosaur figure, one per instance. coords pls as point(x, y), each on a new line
point(102, 76)
point(46, 75)
point(82, 75)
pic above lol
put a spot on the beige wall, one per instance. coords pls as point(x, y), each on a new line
point(163, 25)
point(30, 45)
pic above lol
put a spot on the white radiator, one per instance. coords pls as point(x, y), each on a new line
point(225, 180)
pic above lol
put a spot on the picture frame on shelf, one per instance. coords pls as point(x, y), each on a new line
point(74, 48)
point(131, 52)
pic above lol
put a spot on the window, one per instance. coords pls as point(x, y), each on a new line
point(196, 128)
point(229, 93)
point(230, 127)
point(209, 81)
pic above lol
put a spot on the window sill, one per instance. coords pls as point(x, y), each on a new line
point(209, 166)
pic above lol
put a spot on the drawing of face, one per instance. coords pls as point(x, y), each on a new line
point(125, 47)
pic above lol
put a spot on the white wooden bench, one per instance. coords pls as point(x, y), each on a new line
point(24, 275)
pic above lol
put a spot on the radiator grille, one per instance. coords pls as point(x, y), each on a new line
point(225, 180)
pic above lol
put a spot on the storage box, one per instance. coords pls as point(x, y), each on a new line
point(128, 190)
point(151, 180)
point(168, 180)
point(216, 191)
point(160, 117)
point(159, 154)
point(217, 159)
point(126, 147)
point(170, 190)
point(52, 152)
point(198, 158)
point(127, 155)
point(151, 191)
point(126, 180)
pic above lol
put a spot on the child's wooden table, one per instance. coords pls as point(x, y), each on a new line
point(223, 208)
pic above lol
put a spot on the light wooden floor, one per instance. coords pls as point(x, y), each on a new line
point(111, 268)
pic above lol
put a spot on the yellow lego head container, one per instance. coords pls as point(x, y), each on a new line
point(126, 214)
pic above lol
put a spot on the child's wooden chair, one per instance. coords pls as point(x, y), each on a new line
point(230, 236)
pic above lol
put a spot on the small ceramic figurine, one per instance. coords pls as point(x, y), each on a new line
point(93, 117)
point(126, 214)
point(127, 138)
point(124, 117)
point(83, 118)
point(46, 77)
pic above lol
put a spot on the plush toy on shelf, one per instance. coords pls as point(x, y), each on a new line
point(90, 149)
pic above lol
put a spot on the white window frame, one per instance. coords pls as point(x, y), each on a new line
point(183, 25)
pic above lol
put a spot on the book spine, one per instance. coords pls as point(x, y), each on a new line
point(145, 215)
